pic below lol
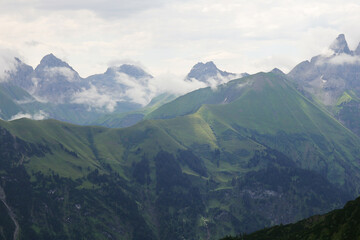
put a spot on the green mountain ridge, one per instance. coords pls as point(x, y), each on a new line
point(259, 110)
point(252, 154)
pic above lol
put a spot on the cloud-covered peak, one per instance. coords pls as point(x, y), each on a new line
point(340, 45)
point(209, 74)
point(130, 70)
point(204, 71)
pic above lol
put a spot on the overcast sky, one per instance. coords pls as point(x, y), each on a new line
point(172, 35)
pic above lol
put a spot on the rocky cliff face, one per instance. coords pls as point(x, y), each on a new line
point(334, 81)
point(327, 77)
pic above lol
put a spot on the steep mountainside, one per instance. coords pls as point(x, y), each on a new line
point(260, 155)
point(333, 81)
point(266, 107)
point(343, 224)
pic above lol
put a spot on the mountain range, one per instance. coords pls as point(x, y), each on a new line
point(55, 90)
point(233, 158)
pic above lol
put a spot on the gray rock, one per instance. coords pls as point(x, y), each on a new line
point(340, 45)
point(206, 72)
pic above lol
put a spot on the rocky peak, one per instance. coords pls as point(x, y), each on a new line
point(340, 45)
point(51, 61)
point(204, 71)
point(208, 68)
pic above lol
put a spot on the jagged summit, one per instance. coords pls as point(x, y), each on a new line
point(51, 61)
point(340, 45)
point(201, 69)
point(205, 71)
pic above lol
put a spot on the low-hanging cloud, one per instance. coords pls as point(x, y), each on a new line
point(175, 84)
point(138, 90)
point(344, 59)
point(214, 82)
point(7, 63)
point(94, 99)
point(337, 59)
point(63, 71)
point(36, 116)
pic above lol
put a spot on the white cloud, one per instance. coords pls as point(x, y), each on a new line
point(36, 116)
point(64, 71)
point(175, 84)
point(171, 36)
point(344, 59)
point(138, 90)
point(95, 99)
point(7, 63)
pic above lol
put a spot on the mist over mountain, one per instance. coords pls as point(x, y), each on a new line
point(252, 153)
point(214, 156)
point(333, 80)
point(56, 90)
point(208, 73)
point(53, 80)
point(328, 76)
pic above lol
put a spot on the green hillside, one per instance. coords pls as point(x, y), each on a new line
point(268, 109)
point(255, 155)
point(8, 96)
point(347, 110)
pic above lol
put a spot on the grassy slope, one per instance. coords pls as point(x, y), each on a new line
point(269, 109)
point(7, 104)
point(98, 147)
point(231, 140)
